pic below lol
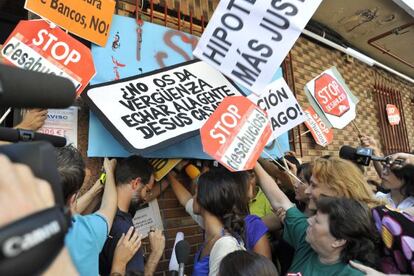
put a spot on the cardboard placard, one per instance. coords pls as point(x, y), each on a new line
point(163, 166)
point(331, 98)
point(162, 107)
point(321, 133)
point(89, 19)
point(236, 133)
point(281, 106)
point(146, 217)
point(393, 114)
point(247, 40)
point(160, 47)
point(35, 45)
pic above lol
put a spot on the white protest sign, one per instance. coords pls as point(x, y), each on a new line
point(160, 108)
point(331, 98)
point(247, 39)
point(148, 216)
point(281, 106)
point(62, 122)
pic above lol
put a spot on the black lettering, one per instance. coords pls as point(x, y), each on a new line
point(268, 50)
point(238, 21)
point(245, 74)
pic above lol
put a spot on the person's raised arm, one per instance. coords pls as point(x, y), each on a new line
point(83, 202)
point(157, 243)
point(274, 194)
point(276, 173)
point(182, 194)
point(109, 198)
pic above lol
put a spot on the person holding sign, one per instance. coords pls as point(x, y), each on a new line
point(327, 241)
point(134, 179)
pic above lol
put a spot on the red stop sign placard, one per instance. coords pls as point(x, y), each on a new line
point(322, 134)
point(36, 45)
point(331, 96)
point(393, 114)
point(236, 133)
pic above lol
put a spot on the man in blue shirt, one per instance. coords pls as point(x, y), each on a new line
point(87, 234)
point(134, 179)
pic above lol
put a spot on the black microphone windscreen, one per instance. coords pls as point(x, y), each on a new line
point(9, 134)
point(17, 135)
point(348, 153)
point(24, 88)
point(182, 251)
point(57, 141)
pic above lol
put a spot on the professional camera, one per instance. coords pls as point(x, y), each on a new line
point(29, 245)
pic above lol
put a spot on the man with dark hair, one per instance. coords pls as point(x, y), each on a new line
point(134, 179)
point(87, 235)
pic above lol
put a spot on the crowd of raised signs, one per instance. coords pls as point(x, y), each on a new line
point(262, 212)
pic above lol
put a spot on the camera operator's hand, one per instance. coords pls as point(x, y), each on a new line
point(27, 194)
point(33, 119)
point(22, 190)
point(402, 159)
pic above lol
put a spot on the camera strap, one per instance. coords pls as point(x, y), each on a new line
point(29, 245)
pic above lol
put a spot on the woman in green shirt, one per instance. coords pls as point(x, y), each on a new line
point(342, 230)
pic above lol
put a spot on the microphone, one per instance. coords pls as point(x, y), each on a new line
point(182, 251)
point(359, 155)
point(24, 135)
point(24, 88)
point(192, 171)
point(173, 266)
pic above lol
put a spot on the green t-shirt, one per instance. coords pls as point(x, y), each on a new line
point(260, 205)
point(306, 261)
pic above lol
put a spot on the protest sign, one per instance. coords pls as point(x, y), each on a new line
point(163, 166)
point(331, 98)
point(281, 107)
point(393, 114)
point(162, 107)
point(236, 133)
point(246, 40)
point(35, 45)
point(321, 133)
point(160, 47)
point(89, 19)
point(148, 216)
point(62, 122)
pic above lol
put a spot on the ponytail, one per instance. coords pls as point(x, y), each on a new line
point(234, 224)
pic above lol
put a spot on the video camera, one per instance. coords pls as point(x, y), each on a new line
point(29, 245)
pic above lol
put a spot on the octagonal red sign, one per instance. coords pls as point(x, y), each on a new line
point(331, 96)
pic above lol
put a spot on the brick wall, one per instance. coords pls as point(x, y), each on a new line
point(309, 59)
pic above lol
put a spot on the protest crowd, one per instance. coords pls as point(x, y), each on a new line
point(199, 129)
